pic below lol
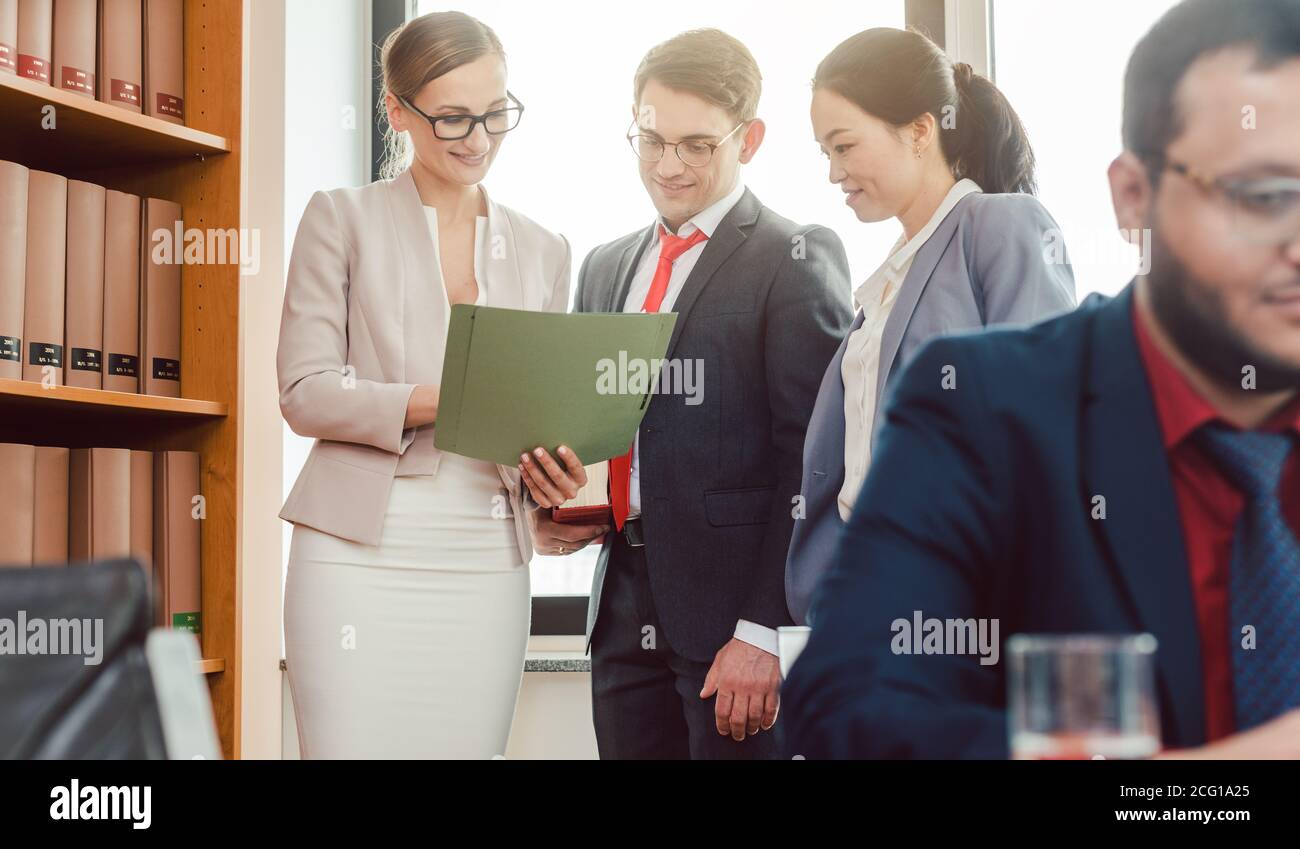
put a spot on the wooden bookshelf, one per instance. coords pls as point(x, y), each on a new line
point(208, 667)
point(34, 398)
point(88, 128)
point(197, 166)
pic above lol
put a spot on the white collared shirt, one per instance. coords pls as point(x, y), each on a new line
point(860, 369)
point(707, 220)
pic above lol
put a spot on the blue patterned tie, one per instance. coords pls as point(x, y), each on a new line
point(1264, 584)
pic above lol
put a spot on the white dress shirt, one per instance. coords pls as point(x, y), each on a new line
point(860, 368)
point(707, 220)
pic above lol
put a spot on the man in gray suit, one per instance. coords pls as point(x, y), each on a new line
point(689, 591)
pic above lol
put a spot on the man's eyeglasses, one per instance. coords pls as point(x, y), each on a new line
point(693, 152)
point(1264, 210)
point(453, 127)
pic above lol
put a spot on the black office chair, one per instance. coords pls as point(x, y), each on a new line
point(89, 693)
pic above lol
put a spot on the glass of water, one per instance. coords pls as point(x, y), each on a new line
point(1082, 696)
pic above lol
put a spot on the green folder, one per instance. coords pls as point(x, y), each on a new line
point(516, 379)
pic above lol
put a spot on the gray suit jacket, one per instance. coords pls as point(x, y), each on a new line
point(762, 310)
point(985, 264)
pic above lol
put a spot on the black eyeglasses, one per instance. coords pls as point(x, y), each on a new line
point(694, 152)
point(453, 127)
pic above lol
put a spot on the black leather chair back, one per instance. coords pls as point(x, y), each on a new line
point(74, 680)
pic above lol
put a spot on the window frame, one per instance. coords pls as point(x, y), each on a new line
point(385, 16)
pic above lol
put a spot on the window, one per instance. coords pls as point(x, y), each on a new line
point(1062, 67)
point(568, 56)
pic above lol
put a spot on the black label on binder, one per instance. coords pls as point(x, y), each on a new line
point(86, 359)
point(166, 369)
point(44, 354)
point(11, 349)
point(122, 365)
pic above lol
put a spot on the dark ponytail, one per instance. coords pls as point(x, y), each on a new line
point(898, 75)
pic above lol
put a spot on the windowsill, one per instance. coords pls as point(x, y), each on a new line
point(557, 653)
point(566, 661)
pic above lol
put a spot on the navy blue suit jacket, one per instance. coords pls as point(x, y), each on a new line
point(980, 503)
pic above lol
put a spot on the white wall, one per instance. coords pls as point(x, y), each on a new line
point(327, 132)
point(312, 133)
point(259, 455)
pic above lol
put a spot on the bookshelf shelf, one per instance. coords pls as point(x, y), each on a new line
point(207, 666)
point(89, 131)
point(27, 397)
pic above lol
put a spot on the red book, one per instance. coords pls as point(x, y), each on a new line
point(591, 505)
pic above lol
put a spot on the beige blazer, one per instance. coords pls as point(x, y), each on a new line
point(365, 320)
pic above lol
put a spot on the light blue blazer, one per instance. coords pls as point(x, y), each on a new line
point(995, 259)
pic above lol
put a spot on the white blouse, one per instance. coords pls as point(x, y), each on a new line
point(480, 227)
point(860, 368)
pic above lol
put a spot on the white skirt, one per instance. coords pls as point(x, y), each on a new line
point(413, 648)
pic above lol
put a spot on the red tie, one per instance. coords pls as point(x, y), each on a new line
point(620, 468)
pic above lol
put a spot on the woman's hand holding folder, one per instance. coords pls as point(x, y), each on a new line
point(551, 485)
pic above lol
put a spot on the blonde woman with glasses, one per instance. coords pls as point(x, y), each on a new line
point(407, 599)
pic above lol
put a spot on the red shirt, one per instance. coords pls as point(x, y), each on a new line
point(1209, 507)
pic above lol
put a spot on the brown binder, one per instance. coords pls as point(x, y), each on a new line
point(47, 221)
point(84, 310)
point(164, 60)
point(18, 469)
point(121, 56)
point(160, 298)
point(177, 570)
point(50, 515)
point(99, 504)
point(121, 292)
point(35, 39)
point(8, 36)
point(13, 266)
point(142, 510)
point(75, 22)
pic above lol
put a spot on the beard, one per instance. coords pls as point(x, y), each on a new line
point(1193, 314)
